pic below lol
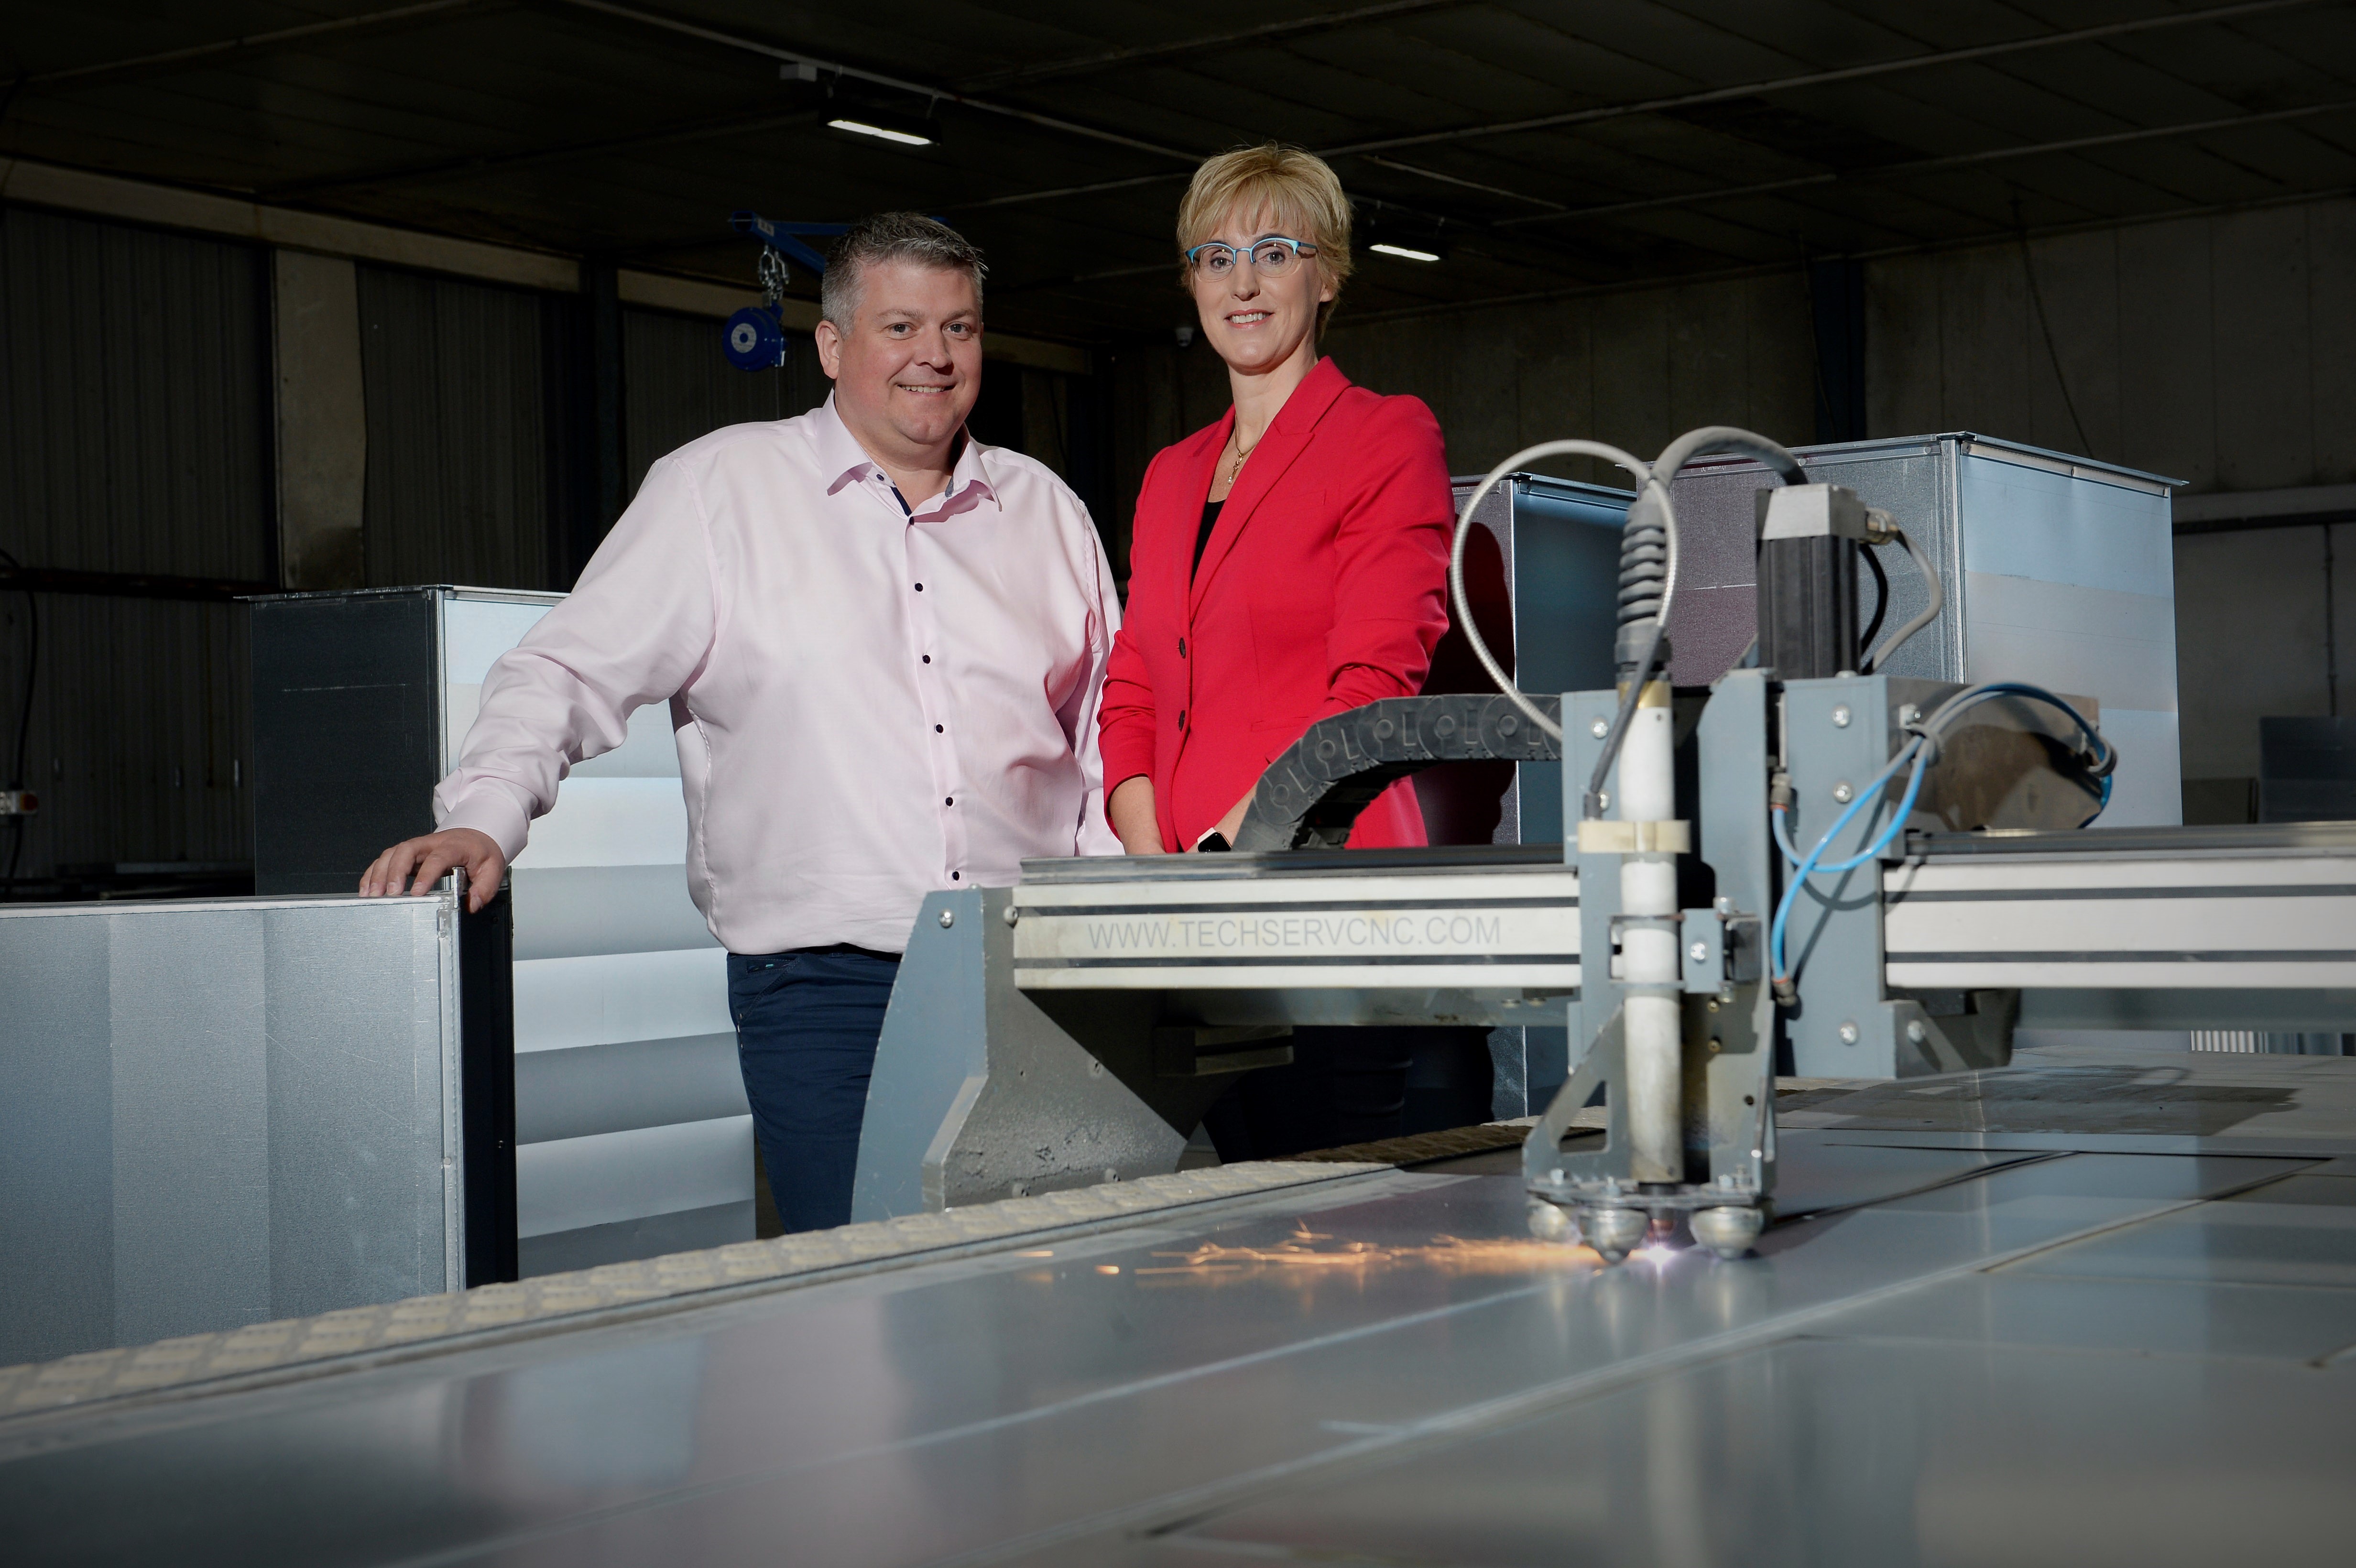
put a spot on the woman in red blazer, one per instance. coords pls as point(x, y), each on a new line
point(1288, 561)
point(1288, 564)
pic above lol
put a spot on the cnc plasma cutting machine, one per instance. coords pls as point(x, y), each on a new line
point(1810, 862)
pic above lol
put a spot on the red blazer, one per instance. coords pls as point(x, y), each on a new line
point(1323, 589)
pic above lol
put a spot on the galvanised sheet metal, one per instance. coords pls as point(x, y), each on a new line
point(1082, 1402)
point(215, 1112)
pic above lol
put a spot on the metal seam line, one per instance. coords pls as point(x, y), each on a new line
point(1927, 165)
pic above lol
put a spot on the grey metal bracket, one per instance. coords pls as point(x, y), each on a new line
point(1838, 735)
point(981, 1092)
point(1311, 796)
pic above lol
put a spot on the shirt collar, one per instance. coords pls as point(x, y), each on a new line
point(842, 461)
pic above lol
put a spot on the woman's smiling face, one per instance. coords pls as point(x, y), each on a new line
point(1253, 320)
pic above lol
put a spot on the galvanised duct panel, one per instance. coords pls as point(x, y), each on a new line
point(215, 1112)
point(134, 400)
point(677, 386)
point(2055, 568)
point(461, 440)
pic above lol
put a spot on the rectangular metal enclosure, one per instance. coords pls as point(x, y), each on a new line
point(2056, 569)
point(1542, 570)
point(634, 1135)
point(215, 1112)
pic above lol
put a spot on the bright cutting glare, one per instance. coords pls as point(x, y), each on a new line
point(1401, 252)
point(905, 138)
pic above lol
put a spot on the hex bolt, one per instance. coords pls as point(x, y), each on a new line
point(949, 918)
point(1907, 714)
point(1840, 715)
point(1849, 1033)
point(1012, 914)
point(1841, 791)
point(1599, 728)
point(1916, 1032)
point(1699, 951)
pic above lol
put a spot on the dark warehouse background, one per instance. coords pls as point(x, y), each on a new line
point(314, 295)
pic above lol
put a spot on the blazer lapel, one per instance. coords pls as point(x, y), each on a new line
point(1187, 499)
point(1280, 445)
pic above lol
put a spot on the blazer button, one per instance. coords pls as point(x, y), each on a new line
point(1182, 647)
point(1181, 718)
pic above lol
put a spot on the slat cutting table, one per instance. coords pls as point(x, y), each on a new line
point(2099, 1307)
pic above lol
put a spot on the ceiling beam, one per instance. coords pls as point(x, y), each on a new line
point(1146, 54)
point(1826, 78)
point(252, 43)
point(504, 162)
point(855, 73)
point(1933, 166)
point(1606, 111)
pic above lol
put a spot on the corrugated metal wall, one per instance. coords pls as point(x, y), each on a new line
point(133, 398)
point(2220, 350)
point(133, 438)
point(677, 386)
point(463, 454)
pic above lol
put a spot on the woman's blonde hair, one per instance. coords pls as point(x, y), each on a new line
point(1298, 187)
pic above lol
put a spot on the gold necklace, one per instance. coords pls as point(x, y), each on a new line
point(1242, 452)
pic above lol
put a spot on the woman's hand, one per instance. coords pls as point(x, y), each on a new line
point(1130, 809)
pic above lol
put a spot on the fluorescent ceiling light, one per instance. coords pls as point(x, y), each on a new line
point(902, 137)
point(1401, 252)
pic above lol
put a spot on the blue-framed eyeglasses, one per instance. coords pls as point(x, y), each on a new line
point(1271, 256)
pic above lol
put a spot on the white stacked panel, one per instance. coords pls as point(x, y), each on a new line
point(633, 1137)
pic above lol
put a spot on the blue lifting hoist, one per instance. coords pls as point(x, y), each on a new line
point(757, 335)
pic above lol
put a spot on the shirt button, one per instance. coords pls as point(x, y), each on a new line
point(937, 729)
point(953, 875)
point(949, 800)
point(928, 658)
point(920, 588)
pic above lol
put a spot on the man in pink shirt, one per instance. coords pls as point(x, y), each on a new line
point(882, 645)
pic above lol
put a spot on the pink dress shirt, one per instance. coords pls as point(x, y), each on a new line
point(868, 705)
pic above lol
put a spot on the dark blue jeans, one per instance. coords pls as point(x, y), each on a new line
point(806, 1023)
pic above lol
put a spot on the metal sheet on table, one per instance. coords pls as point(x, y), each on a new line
point(2296, 1325)
point(2301, 1231)
point(1009, 1401)
point(1808, 1453)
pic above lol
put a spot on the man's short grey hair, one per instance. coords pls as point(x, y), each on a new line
point(892, 237)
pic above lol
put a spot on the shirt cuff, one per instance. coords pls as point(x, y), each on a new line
point(486, 810)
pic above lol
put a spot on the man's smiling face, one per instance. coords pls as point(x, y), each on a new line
point(908, 368)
